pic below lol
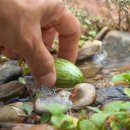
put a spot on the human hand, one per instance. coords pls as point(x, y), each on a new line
point(27, 29)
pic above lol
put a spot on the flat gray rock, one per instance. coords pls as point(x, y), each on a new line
point(117, 46)
point(9, 71)
point(105, 95)
point(47, 96)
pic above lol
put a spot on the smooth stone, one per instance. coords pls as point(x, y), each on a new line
point(12, 113)
point(64, 94)
point(9, 71)
point(89, 49)
point(22, 126)
point(14, 126)
point(102, 33)
point(48, 96)
point(42, 103)
point(117, 46)
point(30, 80)
point(105, 95)
point(90, 68)
point(83, 95)
point(11, 89)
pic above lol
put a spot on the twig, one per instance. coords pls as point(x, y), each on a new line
point(32, 98)
point(29, 90)
point(119, 18)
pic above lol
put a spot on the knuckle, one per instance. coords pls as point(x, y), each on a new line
point(57, 8)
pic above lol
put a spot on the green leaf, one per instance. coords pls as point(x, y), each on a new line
point(45, 117)
point(126, 76)
point(126, 106)
point(24, 66)
point(27, 108)
point(20, 61)
point(115, 126)
point(67, 125)
point(121, 112)
point(88, 22)
point(56, 109)
point(82, 114)
point(22, 80)
point(63, 122)
point(83, 37)
point(3, 59)
point(95, 109)
point(121, 106)
point(26, 70)
point(87, 125)
point(81, 43)
point(110, 107)
point(92, 33)
point(127, 91)
point(99, 119)
point(57, 120)
point(118, 78)
point(39, 94)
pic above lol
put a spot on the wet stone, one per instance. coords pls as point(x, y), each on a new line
point(11, 89)
point(30, 80)
point(117, 46)
point(12, 113)
point(105, 95)
point(42, 102)
point(90, 68)
point(83, 94)
point(47, 96)
point(9, 71)
point(14, 126)
point(89, 49)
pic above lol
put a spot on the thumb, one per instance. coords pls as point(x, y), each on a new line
point(39, 60)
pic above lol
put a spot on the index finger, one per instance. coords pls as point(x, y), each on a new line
point(68, 27)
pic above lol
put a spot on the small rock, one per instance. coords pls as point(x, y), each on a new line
point(106, 71)
point(116, 44)
point(105, 95)
point(64, 94)
point(89, 49)
point(83, 95)
point(30, 81)
point(102, 33)
point(90, 69)
point(20, 126)
point(42, 103)
point(12, 113)
point(14, 126)
point(47, 96)
point(9, 71)
point(11, 89)
point(98, 77)
point(41, 127)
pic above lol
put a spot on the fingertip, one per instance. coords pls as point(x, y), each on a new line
point(48, 80)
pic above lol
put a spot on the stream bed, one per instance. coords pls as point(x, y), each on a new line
point(113, 58)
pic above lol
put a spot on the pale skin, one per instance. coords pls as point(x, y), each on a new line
point(27, 29)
